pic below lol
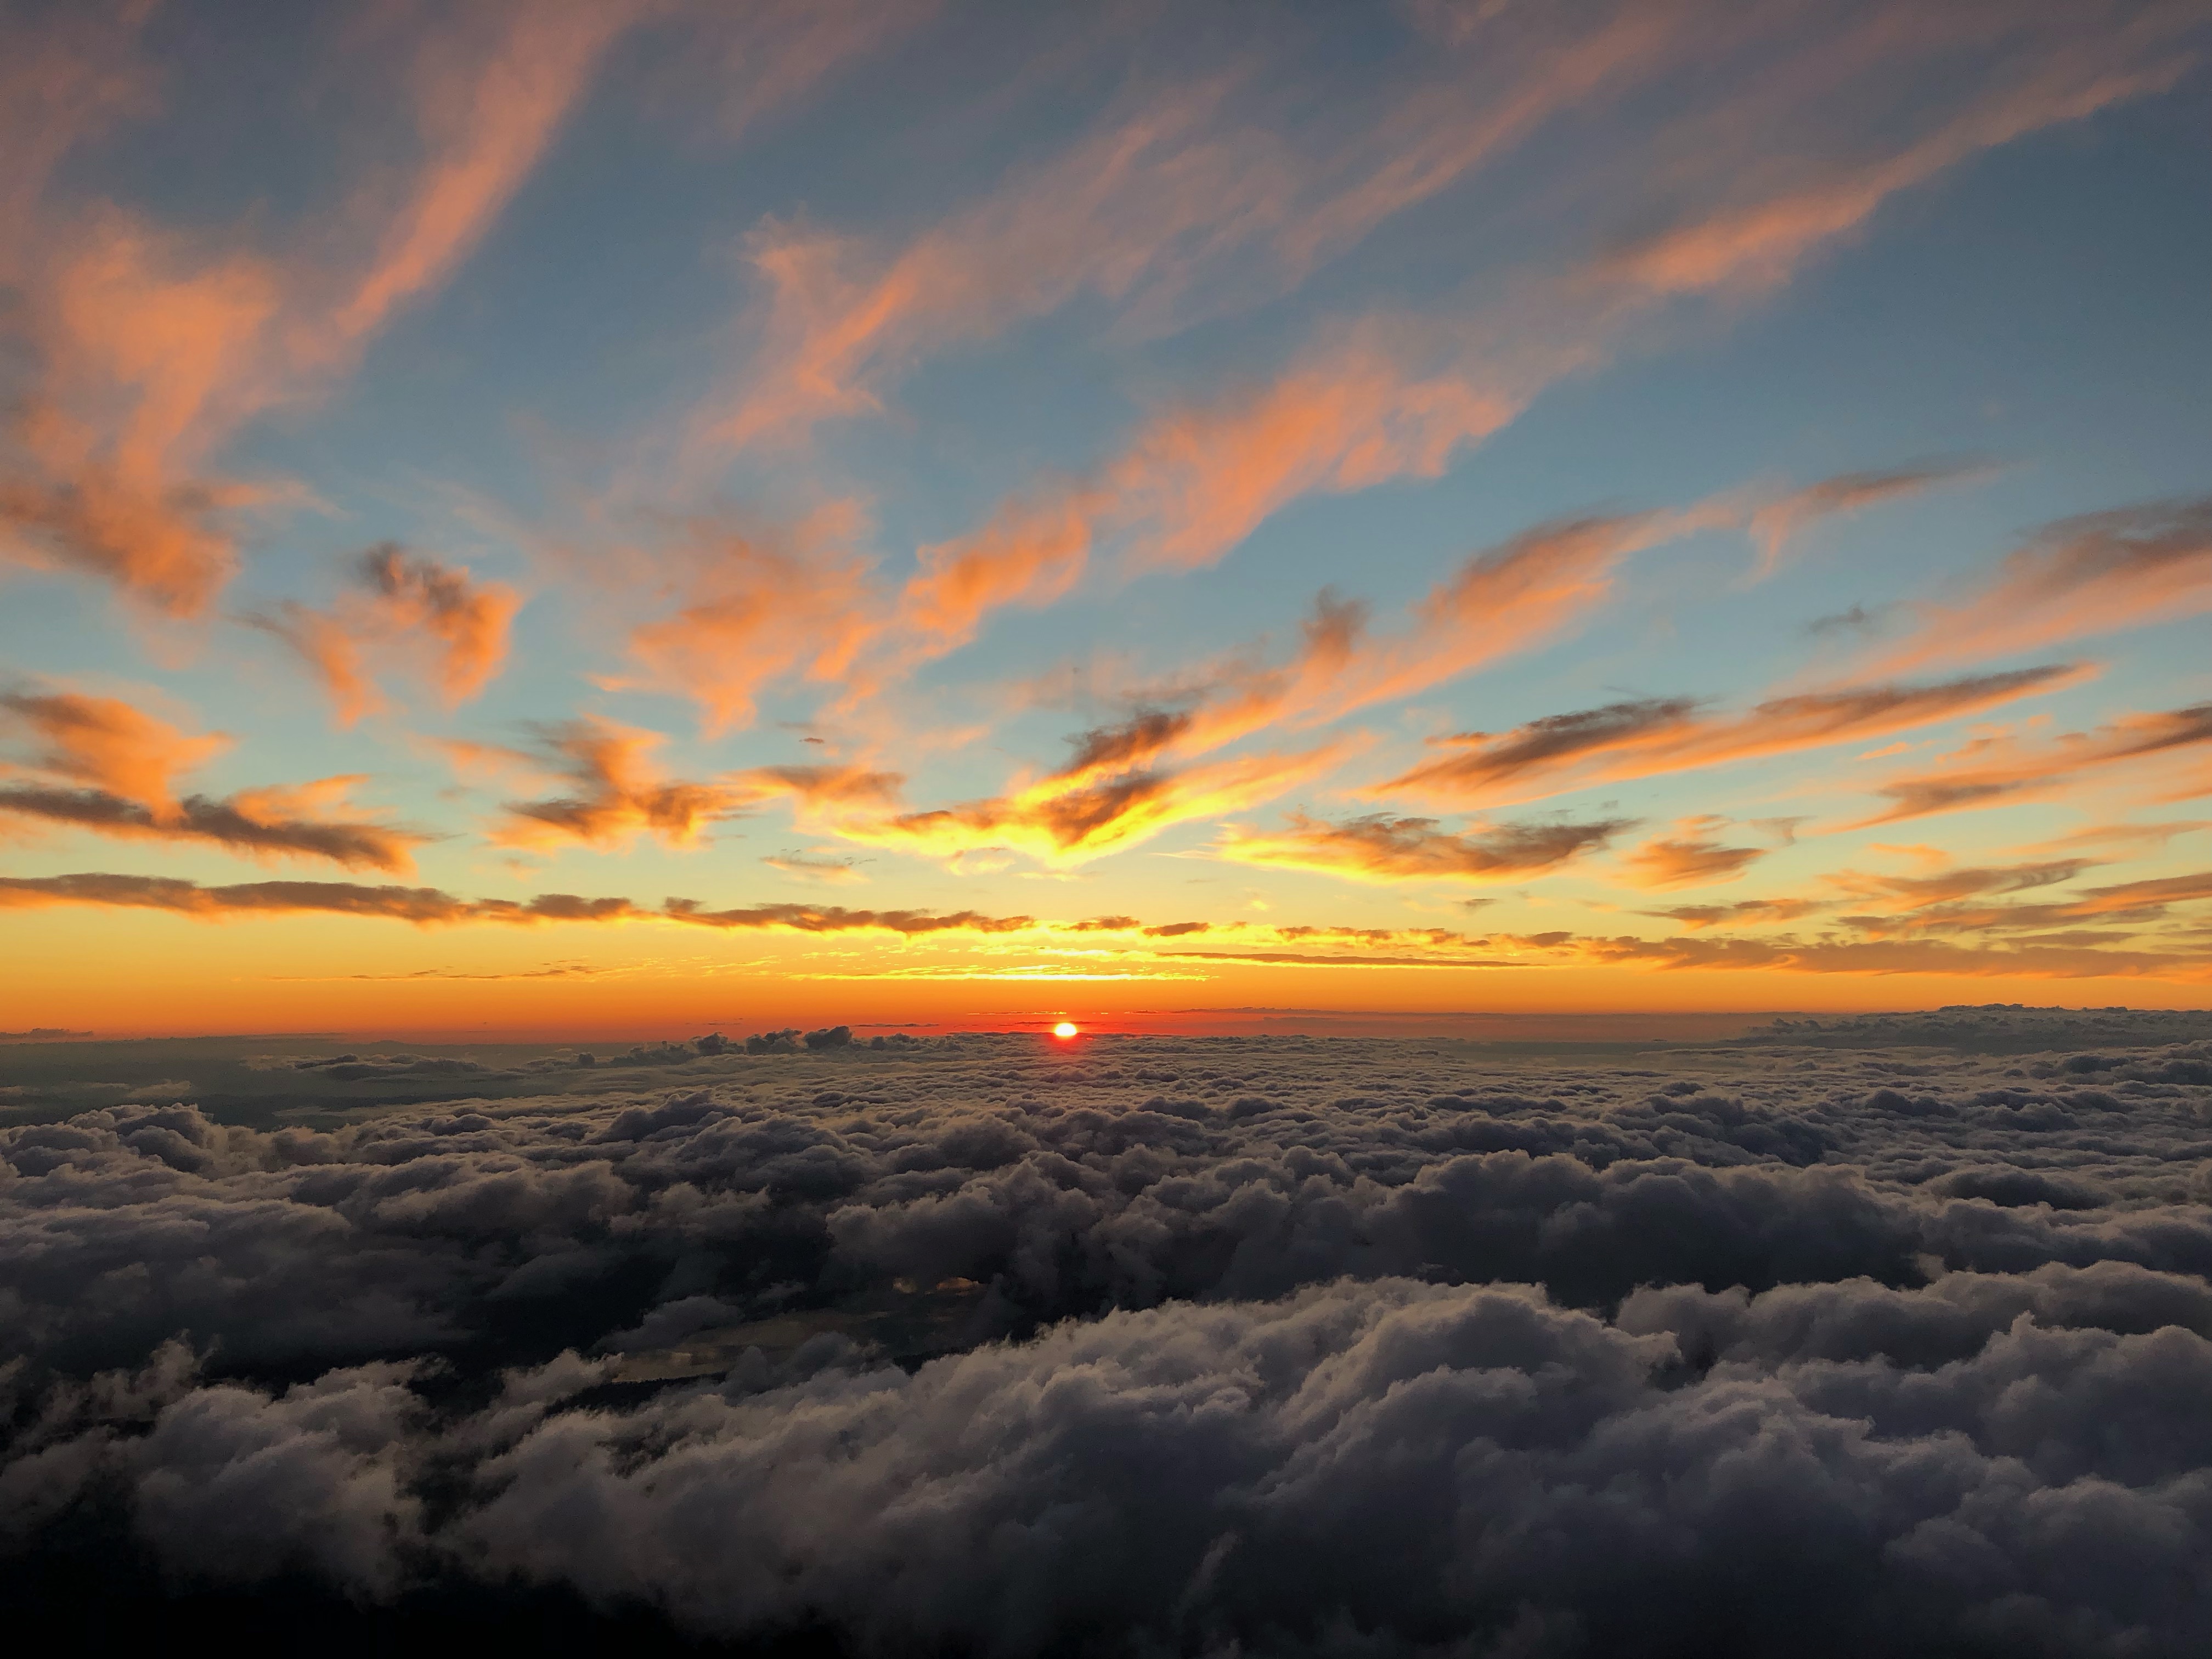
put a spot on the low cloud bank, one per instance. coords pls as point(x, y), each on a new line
point(1295, 1346)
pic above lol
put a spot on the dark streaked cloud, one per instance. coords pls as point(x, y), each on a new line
point(1109, 749)
point(427, 906)
point(618, 795)
point(2001, 770)
point(1651, 736)
point(837, 919)
point(1379, 847)
point(253, 823)
point(131, 759)
point(1744, 913)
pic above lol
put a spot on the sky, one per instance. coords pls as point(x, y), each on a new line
point(614, 516)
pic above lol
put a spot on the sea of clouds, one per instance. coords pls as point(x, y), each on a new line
point(1156, 1346)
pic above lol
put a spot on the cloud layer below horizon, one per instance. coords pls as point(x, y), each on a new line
point(1859, 1347)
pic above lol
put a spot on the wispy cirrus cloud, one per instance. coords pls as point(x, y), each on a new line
point(126, 762)
point(146, 348)
point(1196, 186)
point(2156, 750)
point(1518, 596)
point(751, 611)
point(2119, 912)
point(1694, 856)
point(824, 788)
point(1649, 736)
point(1916, 892)
point(1387, 397)
point(815, 866)
point(1760, 239)
point(1779, 521)
point(415, 610)
point(2102, 573)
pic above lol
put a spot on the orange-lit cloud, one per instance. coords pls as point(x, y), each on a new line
point(820, 788)
point(131, 760)
point(1515, 597)
point(836, 919)
point(67, 75)
point(1667, 734)
point(1382, 848)
point(1694, 856)
point(1505, 600)
point(1775, 523)
point(1760, 244)
point(146, 350)
point(1998, 770)
point(2133, 568)
point(2127, 907)
point(414, 608)
point(108, 744)
point(1062, 820)
point(488, 93)
point(1391, 397)
point(1172, 195)
point(619, 793)
point(750, 614)
point(1192, 484)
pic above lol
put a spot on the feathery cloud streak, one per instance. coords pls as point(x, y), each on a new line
point(2099, 573)
point(1693, 857)
point(148, 348)
point(1399, 397)
point(1995, 771)
point(1655, 735)
point(415, 608)
point(1379, 847)
point(1173, 195)
point(131, 759)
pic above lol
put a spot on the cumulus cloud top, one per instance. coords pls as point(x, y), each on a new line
point(1917, 1332)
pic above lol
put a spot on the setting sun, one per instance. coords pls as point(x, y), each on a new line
point(1066, 1028)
